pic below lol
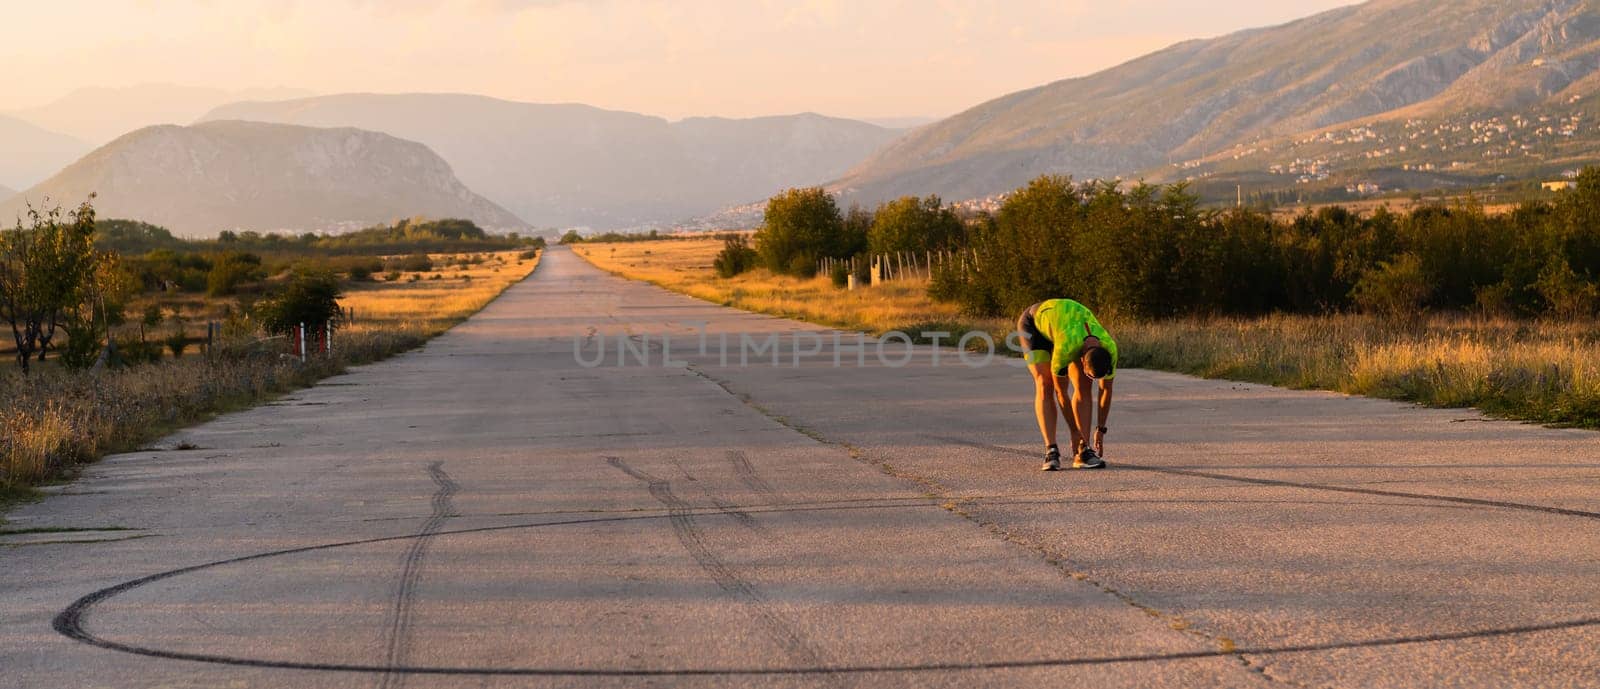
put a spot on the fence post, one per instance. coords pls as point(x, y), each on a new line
point(302, 343)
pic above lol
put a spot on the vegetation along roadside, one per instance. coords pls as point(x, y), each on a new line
point(122, 332)
point(1447, 305)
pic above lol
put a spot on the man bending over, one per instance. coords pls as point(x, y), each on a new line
point(1066, 346)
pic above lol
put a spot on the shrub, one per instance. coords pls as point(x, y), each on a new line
point(83, 344)
point(1395, 288)
point(571, 237)
point(736, 257)
point(392, 276)
point(360, 273)
point(177, 342)
point(802, 266)
point(232, 270)
point(840, 275)
point(415, 263)
point(310, 297)
point(801, 225)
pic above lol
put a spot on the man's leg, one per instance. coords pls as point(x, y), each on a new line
point(1081, 418)
point(1045, 398)
point(1064, 400)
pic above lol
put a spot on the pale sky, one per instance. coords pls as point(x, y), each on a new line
point(673, 58)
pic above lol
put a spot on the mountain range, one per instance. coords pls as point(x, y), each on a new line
point(1386, 60)
point(577, 165)
point(223, 175)
point(99, 114)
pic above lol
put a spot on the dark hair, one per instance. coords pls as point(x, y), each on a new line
point(1099, 362)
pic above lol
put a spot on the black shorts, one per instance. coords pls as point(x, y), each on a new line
point(1033, 340)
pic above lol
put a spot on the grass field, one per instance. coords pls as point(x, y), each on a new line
point(1547, 372)
point(53, 420)
point(685, 266)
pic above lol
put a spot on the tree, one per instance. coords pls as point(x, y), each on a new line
point(736, 256)
point(231, 270)
point(801, 226)
point(571, 237)
point(310, 297)
point(47, 269)
point(914, 224)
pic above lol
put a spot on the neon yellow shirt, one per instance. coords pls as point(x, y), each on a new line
point(1068, 323)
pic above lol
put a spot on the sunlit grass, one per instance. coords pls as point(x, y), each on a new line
point(685, 266)
point(1548, 372)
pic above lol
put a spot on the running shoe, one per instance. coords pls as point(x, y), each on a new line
point(1088, 459)
point(1052, 460)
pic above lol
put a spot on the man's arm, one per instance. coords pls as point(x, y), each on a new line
point(1105, 413)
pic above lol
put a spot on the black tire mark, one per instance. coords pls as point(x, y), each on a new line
point(71, 623)
point(682, 517)
point(397, 635)
point(747, 474)
point(1277, 483)
point(739, 515)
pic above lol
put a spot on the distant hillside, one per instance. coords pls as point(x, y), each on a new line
point(6, 192)
point(29, 154)
point(245, 175)
point(1387, 59)
point(567, 165)
point(98, 115)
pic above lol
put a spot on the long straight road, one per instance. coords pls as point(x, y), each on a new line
point(491, 511)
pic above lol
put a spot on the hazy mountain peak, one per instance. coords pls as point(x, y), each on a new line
point(198, 180)
point(577, 165)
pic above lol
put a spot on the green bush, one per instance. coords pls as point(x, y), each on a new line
point(801, 226)
point(83, 345)
point(232, 270)
point(736, 257)
point(309, 297)
point(840, 275)
point(913, 224)
point(177, 342)
point(131, 351)
point(1396, 289)
point(415, 263)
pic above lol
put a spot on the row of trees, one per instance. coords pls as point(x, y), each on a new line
point(1152, 251)
point(803, 226)
point(450, 235)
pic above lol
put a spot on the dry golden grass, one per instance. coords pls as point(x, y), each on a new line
point(416, 300)
point(55, 419)
point(1537, 371)
point(685, 266)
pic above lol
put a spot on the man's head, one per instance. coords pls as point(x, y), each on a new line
point(1097, 362)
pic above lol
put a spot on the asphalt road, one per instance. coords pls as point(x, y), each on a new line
point(491, 512)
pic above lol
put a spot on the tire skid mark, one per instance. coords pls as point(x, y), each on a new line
point(682, 517)
point(1278, 483)
point(746, 472)
point(398, 638)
